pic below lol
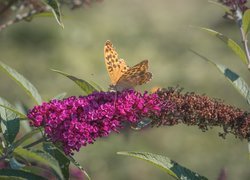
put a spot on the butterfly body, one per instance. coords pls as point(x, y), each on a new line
point(122, 76)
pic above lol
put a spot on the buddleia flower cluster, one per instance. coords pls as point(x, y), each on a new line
point(77, 121)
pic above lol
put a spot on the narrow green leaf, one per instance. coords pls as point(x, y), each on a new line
point(60, 96)
point(16, 174)
point(10, 123)
point(84, 85)
point(233, 78)
point(72, 160)
point(236, 81)
point(225, 8)
point(171, 167)
point(23, 82)
point(10, 129)
point(20, 107)
point(143, 123)
point(14, 164)
point(41, 157)
point(230, 43)
point(25, 125)
point(20, 114)
point(1, 149)
point(96, 86)
point(59, 156)
point(78, 166)
point(44, 14)
point(56, 10)
point(11, 177)
point(246, 21)
point(25, 137)
point(248, 147)
point(36, 169)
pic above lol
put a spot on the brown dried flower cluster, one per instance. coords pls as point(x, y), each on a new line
point(205, 112)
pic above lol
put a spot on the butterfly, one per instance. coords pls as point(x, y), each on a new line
point(121, 75)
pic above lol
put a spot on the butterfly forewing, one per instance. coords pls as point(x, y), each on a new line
point(116, 67)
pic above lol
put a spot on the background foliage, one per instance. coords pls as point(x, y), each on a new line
point(139, 29)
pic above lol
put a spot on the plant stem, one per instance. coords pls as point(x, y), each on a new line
point(249, 147)
point(34, 143)
point(245, 44)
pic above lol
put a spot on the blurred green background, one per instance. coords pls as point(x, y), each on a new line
point(156, 30)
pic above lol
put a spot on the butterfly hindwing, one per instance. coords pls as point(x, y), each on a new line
point(136, 75)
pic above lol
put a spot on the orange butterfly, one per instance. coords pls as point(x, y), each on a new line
point(122, 76)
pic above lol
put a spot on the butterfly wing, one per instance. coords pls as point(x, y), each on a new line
point(116, 67)
point(136, 75)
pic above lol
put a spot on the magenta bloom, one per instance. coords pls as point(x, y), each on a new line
point(76, 121)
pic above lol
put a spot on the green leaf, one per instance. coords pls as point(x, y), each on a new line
point(25, 125)
point(56, 10)
point(41, 157)
point(20, 107)
point(14, 164)
point(10, 129)
point(96, 86)
point(225, 8)
point(59, 156)
point(230, 43)
point(236, 81)
point(1, 149)
point(37, 169)
point(246, 21)
point(78, 166)
point(72, 160)
point(12, 109)
point(171, 167)
point(10, 123)
point(16, 174)
point(11, 177)
point(84, 85)
point(23, 82)
point(25, 137)
point(44, 14)
point(143, 123)
point(60, 96)
point(233, 78)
